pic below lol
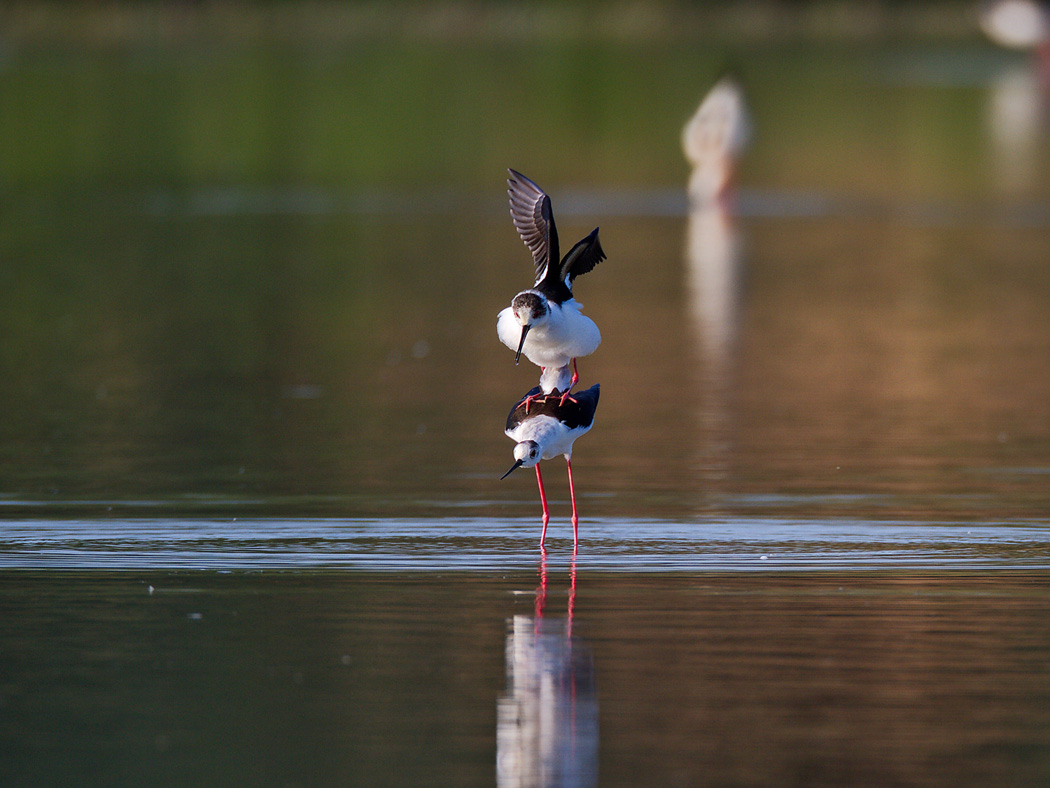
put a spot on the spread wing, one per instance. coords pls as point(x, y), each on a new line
point(582, 257)
point(533, 218)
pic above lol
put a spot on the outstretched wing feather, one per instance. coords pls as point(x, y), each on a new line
point(530, 208)
point(582, 257)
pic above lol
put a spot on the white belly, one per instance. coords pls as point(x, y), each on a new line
point(562, 444)
point(548, 433)
point(567, 334)
point(555, 378)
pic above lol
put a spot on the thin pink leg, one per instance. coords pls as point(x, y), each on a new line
point(572, 593)
point(572, 495)
point(541, 592)
point(575, 378)
point(543, 500)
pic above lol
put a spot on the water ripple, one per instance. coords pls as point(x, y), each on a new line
point(448, 544)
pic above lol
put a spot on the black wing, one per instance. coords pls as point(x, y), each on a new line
point(587, 404)
point(575, 414)
point(533, 218)
point(582, 257)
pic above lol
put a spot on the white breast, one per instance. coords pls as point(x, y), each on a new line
point(508, 328)
point(566, 335)
point(551, 435)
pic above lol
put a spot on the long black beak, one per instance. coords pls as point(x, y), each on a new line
point(514, 467)
point(524, 330)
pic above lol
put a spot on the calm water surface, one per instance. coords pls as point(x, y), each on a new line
point(252, 529)
point(378, 678)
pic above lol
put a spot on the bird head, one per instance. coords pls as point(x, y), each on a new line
point(526, 455)
point(530, 310)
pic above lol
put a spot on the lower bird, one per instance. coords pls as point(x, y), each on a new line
point(544, 426)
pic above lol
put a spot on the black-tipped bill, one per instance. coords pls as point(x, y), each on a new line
point(524, 330)
point(514, 467)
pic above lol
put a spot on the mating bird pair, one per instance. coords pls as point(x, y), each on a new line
point(545, 323)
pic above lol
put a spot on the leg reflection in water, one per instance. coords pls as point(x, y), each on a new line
point(547, 720)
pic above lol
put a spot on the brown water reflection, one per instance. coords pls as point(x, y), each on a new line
point(904, 358)
point(857, 354)
point(863, 354)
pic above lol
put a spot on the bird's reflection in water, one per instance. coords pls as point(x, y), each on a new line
point(1017, 110)
point(547, 720)
point(713, 255)
point(712, 141)
point(1019, 99)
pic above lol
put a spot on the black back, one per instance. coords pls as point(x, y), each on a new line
point(573, 414)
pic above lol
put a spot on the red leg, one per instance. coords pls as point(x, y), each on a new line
point(543, 500)
point(541, 592)
point(575, 377)
point(572, 594)
point(572, 495)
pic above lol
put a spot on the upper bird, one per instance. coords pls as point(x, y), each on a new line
point(545, 322)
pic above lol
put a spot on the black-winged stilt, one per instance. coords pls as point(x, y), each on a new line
point(544, 426)
point(713, 140)
point(545, 322)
